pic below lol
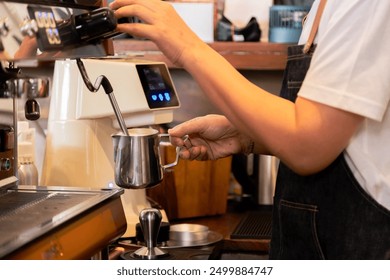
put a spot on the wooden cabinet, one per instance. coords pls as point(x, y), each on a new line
point(193, 188)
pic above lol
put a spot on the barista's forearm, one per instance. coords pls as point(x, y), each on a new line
point(246, 105)
point(222, 83)
point(302, 134)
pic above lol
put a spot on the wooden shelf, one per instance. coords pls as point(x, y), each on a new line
point(242, 55)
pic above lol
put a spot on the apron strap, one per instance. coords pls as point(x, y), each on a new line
point(314, 28)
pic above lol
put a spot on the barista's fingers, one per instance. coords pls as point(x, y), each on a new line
point(202, 153)
point(194, 153)
point(198, 153)
point(176, 141)
point(184, 153)
point(180, 142)
point(187, 142)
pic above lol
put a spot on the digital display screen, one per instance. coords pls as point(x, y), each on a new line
point(154, 78)
point(157, 85)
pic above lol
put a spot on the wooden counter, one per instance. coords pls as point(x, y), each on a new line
point(242, 55)
point(195, 191)
point(225, 225)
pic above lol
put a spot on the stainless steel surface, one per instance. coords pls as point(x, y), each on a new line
point(118, 113)
point(28, 173)
point(268, 169)
point(172, 164)
point(13, 84)
point(34, 87)
point(188, 232)
point(137, 158)
point(28, 212)
point(211, 238)
point(150, 220)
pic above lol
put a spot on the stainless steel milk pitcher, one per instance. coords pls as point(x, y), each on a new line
point(137, 158)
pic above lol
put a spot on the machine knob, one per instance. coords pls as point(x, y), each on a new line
point(32, 110)
point(5, 164)
point(150, 220)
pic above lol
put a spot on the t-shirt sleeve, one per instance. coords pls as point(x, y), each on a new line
point(350, 68)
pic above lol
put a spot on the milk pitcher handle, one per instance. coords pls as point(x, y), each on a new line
point(169, 165)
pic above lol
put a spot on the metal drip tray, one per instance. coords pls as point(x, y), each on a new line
point(255, 225)
point(29, 212)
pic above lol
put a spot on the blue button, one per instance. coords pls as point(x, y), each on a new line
point(154, 97)
point(167, 96)
point(161, 97)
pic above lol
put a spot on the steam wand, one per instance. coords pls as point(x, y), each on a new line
point(105, 83)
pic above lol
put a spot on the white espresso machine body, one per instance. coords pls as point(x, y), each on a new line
point(79, 149)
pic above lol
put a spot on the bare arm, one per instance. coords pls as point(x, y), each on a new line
point(305, 135)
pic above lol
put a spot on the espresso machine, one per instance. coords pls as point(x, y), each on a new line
point(77, 209)
point(79, 147)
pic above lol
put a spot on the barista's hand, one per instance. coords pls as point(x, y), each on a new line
point(28, 48)
point(209, 138)
point(161, 24)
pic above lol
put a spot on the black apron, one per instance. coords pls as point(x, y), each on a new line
point(326, 215)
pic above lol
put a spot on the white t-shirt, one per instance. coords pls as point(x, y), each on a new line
point(350, 70)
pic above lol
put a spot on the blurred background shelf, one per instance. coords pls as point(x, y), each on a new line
point(242, 55)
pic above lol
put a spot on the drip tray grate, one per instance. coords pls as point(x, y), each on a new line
point(255, 225)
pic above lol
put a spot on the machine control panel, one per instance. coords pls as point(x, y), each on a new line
point(157, 85)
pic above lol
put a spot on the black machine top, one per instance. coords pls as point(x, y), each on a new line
point(49, 30)
point(79, 4)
